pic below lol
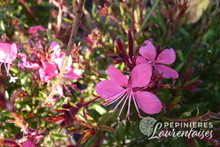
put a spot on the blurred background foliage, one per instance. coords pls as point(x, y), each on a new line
point(196, 46)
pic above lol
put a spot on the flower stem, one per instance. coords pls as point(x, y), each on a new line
point(74, 30)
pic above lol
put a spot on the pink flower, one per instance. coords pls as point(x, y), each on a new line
point(119, 87)
point(50, 67)
point(58, 58)
point(73, 74)
point(35, 29)
point(48, 71)
point(28, 143)
point(34, 138)
point(28, 64)
point(167, 56)
point(8, 53)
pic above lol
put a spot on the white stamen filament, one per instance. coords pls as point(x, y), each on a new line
point(120, 101)
point(135, 103)
point(116, 97)
point(129, 105)
point(7, 67)
point(125, 97)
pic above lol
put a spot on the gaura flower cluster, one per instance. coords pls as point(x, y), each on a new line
point(50, 65)
point(8, 53)
point(134, 88)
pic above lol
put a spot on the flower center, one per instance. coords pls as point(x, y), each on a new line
point(151, 63)
point(130, 91)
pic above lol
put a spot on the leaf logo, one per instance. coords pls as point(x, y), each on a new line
point(146, 125)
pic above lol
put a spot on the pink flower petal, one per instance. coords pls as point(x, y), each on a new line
point(70, 60)
point(4, 52)
point(148, 102)
point(60, 90)
point(31, 65)
point(167, 71)
point(35, 29)
point(48, 72)
point(54, 46)
point(141, 75)
point(58, 56)
point(58, 62)
point(28, 143)
point(50, 69)
point(141, 60)
point(107, 89)
point(26, 63)
point(167, 56)
point(148, 51)
point(88, 41)
point(14, 51)
point(73, 74)
point(116, 76)
point(8, 52)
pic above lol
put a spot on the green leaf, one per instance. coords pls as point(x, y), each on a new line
point(107, 128)
point(98, 108)
point(105, 118)
point(176, 100)
point(179, 67)
point(180, 54)
point(26, 82)
point(120, 134)
point(59, 136)
point(92, 141)
point(49, 34)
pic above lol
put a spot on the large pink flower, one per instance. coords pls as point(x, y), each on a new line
point(8, 53)
point(167, 56)
point(119, 87)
